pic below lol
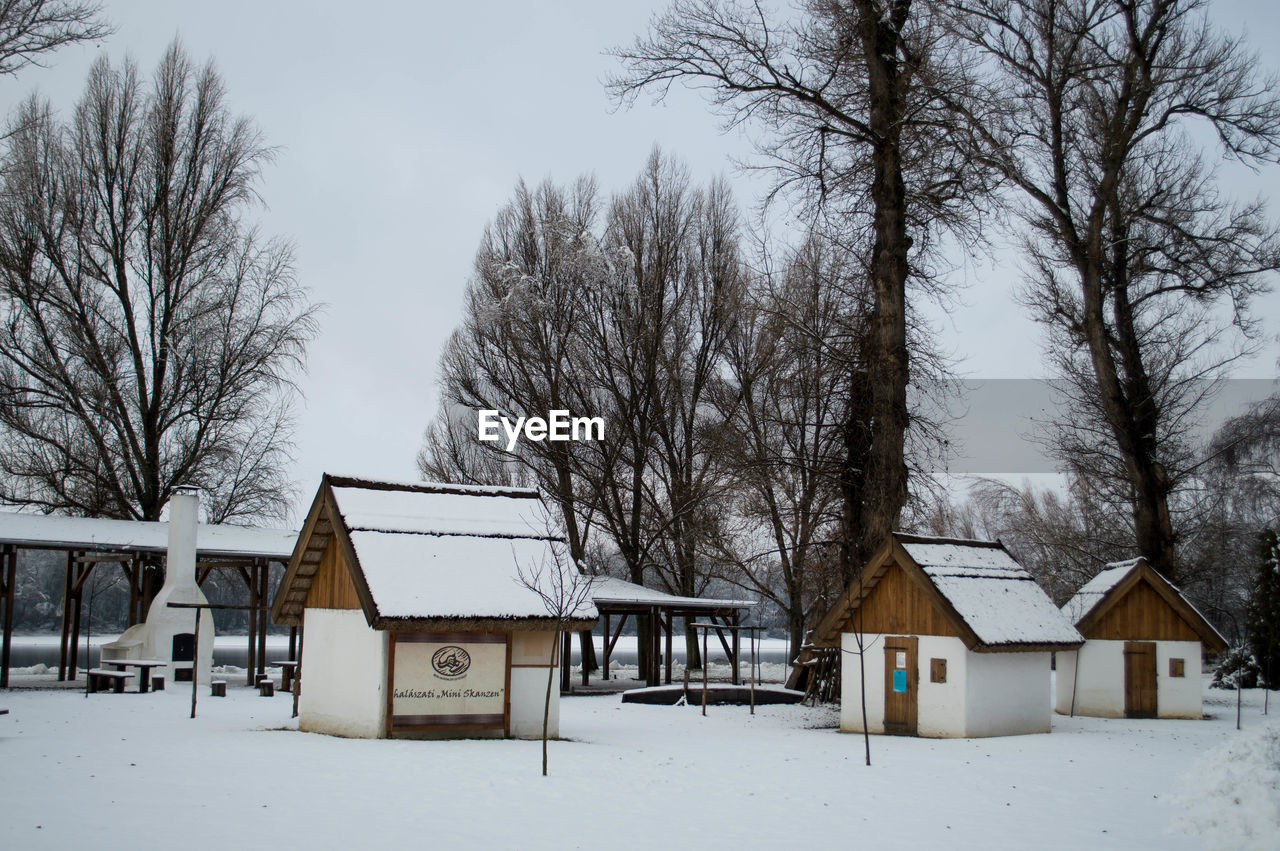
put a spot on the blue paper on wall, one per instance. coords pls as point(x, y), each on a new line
point(900, 681)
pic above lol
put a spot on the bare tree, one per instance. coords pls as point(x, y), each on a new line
point(150, 334)
point(1131, 245)
point(850, 96)
point(781, 439)
point(30, 29)
point(566, 594)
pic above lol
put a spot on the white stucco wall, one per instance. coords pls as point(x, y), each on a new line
point(940, 707)
point(1099, 683)
point(344, 691)
point(1178, 697)
point(986, 694)
point(1007, 694)
point(850, 680)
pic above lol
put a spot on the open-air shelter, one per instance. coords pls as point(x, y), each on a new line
point(133, 545)
point(616, 600)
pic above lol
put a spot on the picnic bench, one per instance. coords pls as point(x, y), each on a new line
point(97, 678)
point(287, 667)
point(144, 667)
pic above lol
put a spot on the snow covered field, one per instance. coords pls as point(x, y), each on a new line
point(240, 776)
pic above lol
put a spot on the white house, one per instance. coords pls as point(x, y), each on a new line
point(416, 620)
point(1143, 647)
point(952, 638)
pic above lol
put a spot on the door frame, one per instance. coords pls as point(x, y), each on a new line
point(908, 701)
point(1137, 654)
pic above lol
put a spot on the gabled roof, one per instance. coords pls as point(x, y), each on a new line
point(1103, 592)
point(427, 556)
point(980, 589)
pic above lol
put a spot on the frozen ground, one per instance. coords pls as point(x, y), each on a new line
point(240, 776)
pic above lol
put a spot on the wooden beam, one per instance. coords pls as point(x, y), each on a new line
point(9, 555)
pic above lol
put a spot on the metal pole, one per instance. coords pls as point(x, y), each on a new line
point(704, 672)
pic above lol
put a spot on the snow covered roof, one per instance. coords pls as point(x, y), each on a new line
point(1092, 592)
point(606, 590)
point(990, 591)
point(1103, 592)
point(424, 555)
point(990, 601)
point(49, 531)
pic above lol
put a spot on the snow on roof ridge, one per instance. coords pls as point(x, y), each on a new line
point(453, 533)
point(366, 483)
point(912, 538)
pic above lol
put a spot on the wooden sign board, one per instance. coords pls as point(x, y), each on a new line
point(455, 681)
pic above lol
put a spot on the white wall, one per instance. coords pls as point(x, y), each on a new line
point(1007, 694)
point(1099, 684)
point(344, 691)
point(850, 697)
point(1178, 697)
point(986, 694)
point(529, 685)
point(940, 707)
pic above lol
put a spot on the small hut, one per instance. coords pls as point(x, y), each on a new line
point(1143, 647)
point(954, 637)
point(416, 619)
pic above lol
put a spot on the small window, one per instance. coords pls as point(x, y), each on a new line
point(937, 670)
point(1177, 668)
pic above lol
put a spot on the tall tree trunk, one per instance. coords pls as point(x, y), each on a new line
point(887, 361)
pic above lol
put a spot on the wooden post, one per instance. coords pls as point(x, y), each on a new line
point(195, 664)
point(297, 672)
point(66, 617)
point(753, 671)
point(670, 618)
point(261, 614)
point(251, 667)
point(605, 672)
point(10, 557)
point(583, 637)
point(565, 677)
point(77, 608)
point(737, 650)
point(704, 673)
point(293, 643)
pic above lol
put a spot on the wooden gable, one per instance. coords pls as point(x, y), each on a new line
point(323, 556)
point(907, 604)
point(331, 587)
point(1145, 607)
point(897, 605)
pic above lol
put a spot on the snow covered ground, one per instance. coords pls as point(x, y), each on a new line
point(240, 775)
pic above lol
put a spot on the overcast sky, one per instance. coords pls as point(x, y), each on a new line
point(403, 127)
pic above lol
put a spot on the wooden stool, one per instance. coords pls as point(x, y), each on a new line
point(218, 688)
point(266, 688)
point(157, 683)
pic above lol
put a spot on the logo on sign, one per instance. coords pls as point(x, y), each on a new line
point(450, 662)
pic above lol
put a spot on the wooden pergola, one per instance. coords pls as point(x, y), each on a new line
point(619, 599)
point(134, 545)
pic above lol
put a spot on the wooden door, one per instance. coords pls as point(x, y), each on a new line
point(900, 685)
point(1140, 679)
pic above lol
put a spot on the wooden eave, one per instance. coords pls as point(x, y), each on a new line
point(1209, 637)
point(324, 526)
